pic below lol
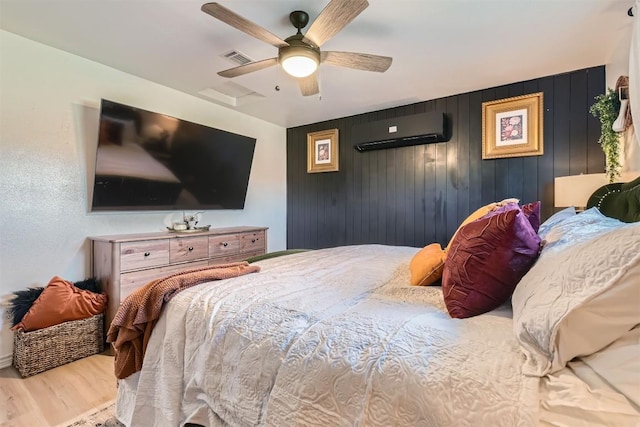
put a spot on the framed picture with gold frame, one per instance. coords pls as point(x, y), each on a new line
point(322, 151)
point(512, 127)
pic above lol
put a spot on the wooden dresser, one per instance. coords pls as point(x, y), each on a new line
point(125, 262)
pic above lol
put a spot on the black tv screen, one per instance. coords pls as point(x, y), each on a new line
point(151, 161)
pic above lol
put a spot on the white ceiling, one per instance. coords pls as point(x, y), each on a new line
point(440, 47)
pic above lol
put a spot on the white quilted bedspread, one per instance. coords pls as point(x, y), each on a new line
point(346, 343)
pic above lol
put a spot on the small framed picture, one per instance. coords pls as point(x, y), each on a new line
point(512, 127)
point(322, 151)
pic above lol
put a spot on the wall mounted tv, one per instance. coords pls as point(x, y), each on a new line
point(150, 161)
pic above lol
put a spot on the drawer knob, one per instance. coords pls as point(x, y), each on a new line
point(147, 253)
point(225, 244)
point(253, 240)
point(190, 248)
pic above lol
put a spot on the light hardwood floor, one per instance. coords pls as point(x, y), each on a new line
point(58, 395)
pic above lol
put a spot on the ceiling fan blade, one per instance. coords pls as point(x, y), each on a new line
point(309, 85)
point(236, 21)
point(358, 61)
point(333, 18)
point(248, 68)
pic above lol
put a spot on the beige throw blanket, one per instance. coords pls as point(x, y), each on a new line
point(132, 325)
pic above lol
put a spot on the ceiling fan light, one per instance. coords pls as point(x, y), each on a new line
point(299, 66)
point(299, 61)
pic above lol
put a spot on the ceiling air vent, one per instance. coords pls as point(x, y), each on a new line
point(237, 57)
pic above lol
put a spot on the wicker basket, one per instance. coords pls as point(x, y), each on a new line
point(42, 349)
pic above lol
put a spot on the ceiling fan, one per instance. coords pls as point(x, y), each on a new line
point(300, 54)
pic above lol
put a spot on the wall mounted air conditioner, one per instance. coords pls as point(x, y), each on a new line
point(414, 129)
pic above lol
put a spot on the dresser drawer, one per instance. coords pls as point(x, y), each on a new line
point(221, 245)
point(252, 242)
point(188, 249)
point(228, 259)
point(129, 282)
point(144, 254)
point(234, 258)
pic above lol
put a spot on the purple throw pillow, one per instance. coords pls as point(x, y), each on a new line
point(532, 212)
point(486, 260)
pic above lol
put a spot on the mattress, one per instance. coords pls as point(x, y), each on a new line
point(328, 337)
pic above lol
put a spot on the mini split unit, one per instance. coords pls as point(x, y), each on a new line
point(422, 128)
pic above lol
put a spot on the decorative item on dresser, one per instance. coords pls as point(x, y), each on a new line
point(128, 261)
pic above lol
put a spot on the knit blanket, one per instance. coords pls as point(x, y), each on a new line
point(132, 325)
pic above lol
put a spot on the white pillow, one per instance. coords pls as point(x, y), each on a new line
point(555, 219)
point(578, 300)
point(576, 229)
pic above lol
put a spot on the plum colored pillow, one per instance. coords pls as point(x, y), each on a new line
point(511, 206)
point(59, 302)
point(426, 266)
point(479, 213)
point(532, 212)
point(486, 260)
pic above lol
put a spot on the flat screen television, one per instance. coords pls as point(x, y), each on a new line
point(151, 161)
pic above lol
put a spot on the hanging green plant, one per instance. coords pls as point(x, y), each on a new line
point(606, 109)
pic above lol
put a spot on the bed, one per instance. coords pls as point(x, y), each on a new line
point(338, 337)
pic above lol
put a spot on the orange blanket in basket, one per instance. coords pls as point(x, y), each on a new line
point(131, 327)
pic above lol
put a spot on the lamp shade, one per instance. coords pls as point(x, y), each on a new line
point(575, 190)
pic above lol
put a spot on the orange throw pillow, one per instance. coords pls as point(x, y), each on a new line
point(426, 266)
point(61, 302)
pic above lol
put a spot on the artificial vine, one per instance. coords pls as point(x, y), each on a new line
point(606, 109)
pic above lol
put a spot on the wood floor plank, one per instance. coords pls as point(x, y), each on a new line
point(17, 402)
point(24, 420)
point(55, 396)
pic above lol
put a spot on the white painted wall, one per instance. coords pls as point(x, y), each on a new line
point(49, 105)
point(618, 64)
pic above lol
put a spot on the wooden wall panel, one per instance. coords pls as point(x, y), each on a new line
point(418, 195)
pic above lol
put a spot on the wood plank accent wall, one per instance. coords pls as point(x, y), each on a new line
point(417, 195)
